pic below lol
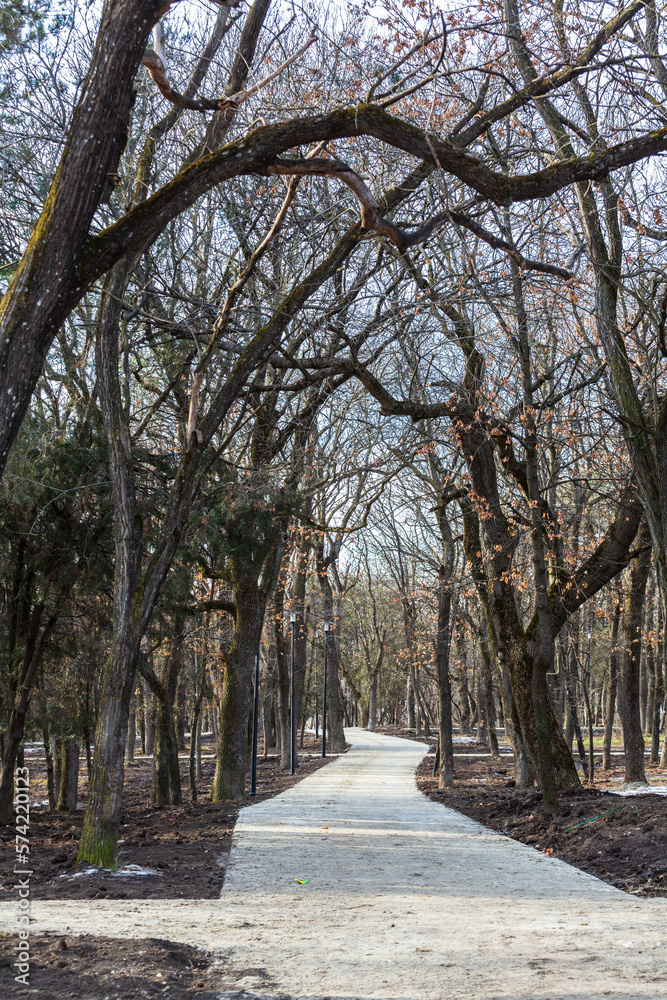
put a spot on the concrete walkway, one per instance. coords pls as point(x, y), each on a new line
point(405, 900)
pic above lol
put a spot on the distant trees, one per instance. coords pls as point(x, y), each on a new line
point(437, 428)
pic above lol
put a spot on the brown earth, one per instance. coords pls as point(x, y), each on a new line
point(620, 840)
point(62, 968)
point(186, 845)
point(626, 847)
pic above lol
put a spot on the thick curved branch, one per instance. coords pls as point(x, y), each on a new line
point(372, 220)
point(611, 556)
point(255, 153)
point(390, 406)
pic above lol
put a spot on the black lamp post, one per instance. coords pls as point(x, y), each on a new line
point(292, 753)
point(327, 626)
point(316, 703)
point(255, 720)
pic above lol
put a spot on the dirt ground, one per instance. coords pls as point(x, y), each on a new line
point(63, 968)
point(620, 840)
point(186, 846)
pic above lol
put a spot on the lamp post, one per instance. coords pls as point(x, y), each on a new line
point(292, 751)
point(327, 626)
point(315, 666)
point(255, 720)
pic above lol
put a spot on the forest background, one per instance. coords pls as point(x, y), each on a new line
point(320, 313)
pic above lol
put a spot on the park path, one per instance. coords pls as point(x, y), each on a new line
point(404, 900)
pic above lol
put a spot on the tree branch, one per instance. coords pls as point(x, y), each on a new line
point(255, 153)
point(155, 62)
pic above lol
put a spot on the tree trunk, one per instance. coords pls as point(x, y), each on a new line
point(166, 771)
point(267, 712)
point(45, 286)
point(442, 647)
point(465, 698)
point(166, 789)
point(142, 725)
point(149, 716)
point(611, 690)
point(645, 681)
point(32, 657)
point(302, 613)
point(49, 770)
point(482, 735)
point(192, 759)
point(523, 773)
point(489, 703)
point(283, 667)
point(69, 780)
point(131, 736)
point(105, 793)
point(180, 716)
point(231, 765)
point(372, 700)
point(335, 729)
point(633, 740)
point(198, 759)
point(571, 689)
point(410, 701)
point(57, 765)
point(543, 650)
point(657, 706)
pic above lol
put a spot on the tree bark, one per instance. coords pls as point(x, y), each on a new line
point(611, 689)
point(231, 765)
point(192, 757)
point(149, 716)
point(442, 648)
point(302, 613)
point(372, 700)
point(50, 784)
point(39, 296)
point(282, 669)
point(657, 704)
point(335, 729)
point(489, 703)
point(131, 736)
point(267, 712)
point(32, 657)
point(166, 773)
point(69, 779)
point(633, 740)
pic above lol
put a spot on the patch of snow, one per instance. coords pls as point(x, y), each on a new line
point(135, 871)
point(127, 871)
point(639, 788)
point(86, 871)
point(463, 739)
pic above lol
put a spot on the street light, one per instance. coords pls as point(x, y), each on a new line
point(327, 626)
point(255, 720)
point(316, 701)
point(292, 753)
